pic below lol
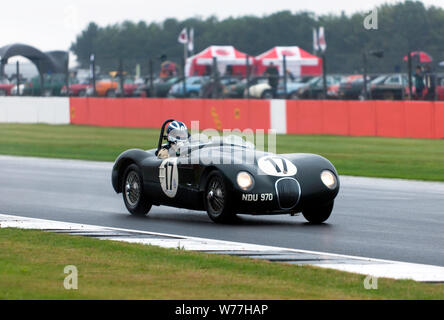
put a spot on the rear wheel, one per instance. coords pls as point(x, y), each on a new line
point(135, 200)
point(218, 199)
point(318, 214)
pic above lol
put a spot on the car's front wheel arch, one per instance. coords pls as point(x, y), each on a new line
point(125, 163)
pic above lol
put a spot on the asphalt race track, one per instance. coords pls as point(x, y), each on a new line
point(378, 218)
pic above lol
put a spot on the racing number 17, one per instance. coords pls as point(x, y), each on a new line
point(169, 176)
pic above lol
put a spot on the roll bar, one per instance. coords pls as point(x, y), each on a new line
point(162, 136)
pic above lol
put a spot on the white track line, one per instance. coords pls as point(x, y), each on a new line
point(361, 265)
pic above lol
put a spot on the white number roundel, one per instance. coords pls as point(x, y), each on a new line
point(276, 166)
point(169, 177)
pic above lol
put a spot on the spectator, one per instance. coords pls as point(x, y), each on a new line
point(273, 77)
point(167, 68)
point(419, 82)
point(208, 71)
point(430, 83)
point(229, 70)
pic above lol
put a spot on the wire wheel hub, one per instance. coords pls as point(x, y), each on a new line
point(215, 196)
point(132, 189)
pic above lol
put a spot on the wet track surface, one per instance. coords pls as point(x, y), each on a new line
point(378, 218)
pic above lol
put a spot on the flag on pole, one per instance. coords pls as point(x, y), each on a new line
point(91, 65)
point(315, 40)
point(183, 36)
point(191, 41)
point(322, 42)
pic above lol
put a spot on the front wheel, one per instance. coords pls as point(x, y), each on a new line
point(218, 198)
point(135, 200)
point(318, 214)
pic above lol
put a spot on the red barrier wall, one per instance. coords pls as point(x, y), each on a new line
point(150, 113)
point(414, 119)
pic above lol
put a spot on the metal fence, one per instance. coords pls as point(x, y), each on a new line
point(161, 77)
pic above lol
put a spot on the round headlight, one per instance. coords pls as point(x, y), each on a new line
point(329, 179)
point(244, 180)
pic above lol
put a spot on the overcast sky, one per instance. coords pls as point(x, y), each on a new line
point(54, 24)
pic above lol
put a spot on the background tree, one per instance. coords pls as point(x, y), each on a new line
point(402, 27)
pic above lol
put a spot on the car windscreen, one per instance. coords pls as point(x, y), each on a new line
point(232, 139)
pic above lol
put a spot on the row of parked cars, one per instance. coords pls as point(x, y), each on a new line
point(386, 86)
point(346, 87)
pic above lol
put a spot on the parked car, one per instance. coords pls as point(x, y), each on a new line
point(440, 87)
point(52, 85)
point(333, 91)
point(236, 90)
point(314, 88)
point(292, 88)
point(193, 86)
point(21, 89)
point(5, 87)
point(161, 87)
point(224, 83)
point(371, 84)
point(394, 87)
point(105, 87)
point(259, 89)
point(351, 87)
point(77, 88)
point(129, 87)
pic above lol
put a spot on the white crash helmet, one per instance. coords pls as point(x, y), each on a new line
point(176, 132)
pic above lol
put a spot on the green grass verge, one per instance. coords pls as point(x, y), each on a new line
point(421, 159)
point(32, 264)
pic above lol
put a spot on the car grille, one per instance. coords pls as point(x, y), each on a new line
point(288, 192)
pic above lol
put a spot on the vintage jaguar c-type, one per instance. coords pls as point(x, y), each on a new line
point(225, 177)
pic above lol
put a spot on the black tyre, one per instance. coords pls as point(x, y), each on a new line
point(294, 96)
point(267, 94)
point(389, 95)
point(111, 94)
point(218, 198)
point(82, 93)
point(318, 214)
point(193, 95)
point(135, 200)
